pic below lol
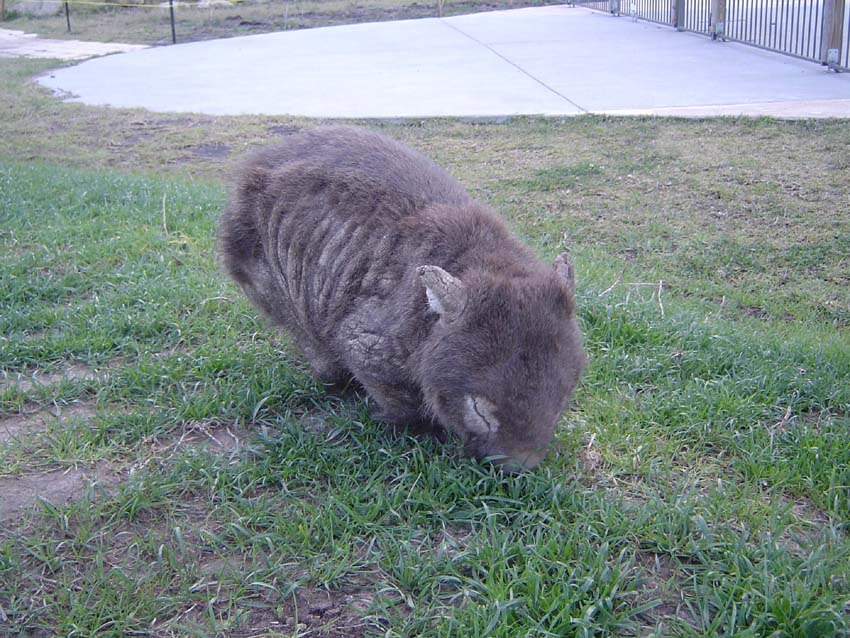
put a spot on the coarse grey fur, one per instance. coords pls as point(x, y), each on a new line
point(382, 268)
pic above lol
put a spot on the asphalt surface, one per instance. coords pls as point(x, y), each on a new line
point(555, 60)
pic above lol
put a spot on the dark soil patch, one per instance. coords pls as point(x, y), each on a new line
point(283, 129)
point(214, 149)
point(325, 613)
point(307, 612)
point(659, 585)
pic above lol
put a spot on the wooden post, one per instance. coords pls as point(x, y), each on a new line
point(833, 25)
point(718, 19)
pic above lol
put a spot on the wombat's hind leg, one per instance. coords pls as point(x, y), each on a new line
point(329, 372)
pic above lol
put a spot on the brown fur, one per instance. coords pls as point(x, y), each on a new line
point(382, 268)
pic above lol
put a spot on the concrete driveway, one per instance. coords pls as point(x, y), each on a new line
point(555, 60)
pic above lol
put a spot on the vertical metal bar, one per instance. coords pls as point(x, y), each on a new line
point(785, 19)
point(758, 19)
point(67, 16)
point(771, 34)
point(847, 41)
point(768, 34)
point(814, 7)
point(737, 24)
point(173, 32)
point(765, 26)
point(811, 28)
point(731, 7)
point(752, 21)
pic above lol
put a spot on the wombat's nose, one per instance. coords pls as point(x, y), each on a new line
point(524, 461)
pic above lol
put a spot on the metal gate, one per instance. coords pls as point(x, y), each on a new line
point(817, 30)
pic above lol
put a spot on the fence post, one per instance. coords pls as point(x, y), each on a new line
point(833, 25)
point(2, 10)
point(679, 14)
point(171, 12)
point(718, 19)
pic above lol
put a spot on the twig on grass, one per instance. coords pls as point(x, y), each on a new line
point(164, 224)
point(639, 284)
point(660, 289)
point(780, 426)
point(614, 285)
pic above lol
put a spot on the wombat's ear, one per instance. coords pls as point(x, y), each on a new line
point(566, 270)
point(446, 294)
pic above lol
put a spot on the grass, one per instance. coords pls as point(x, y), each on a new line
point(199, 482)
point(149, 23)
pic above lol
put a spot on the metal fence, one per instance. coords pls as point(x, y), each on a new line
point(817, 30)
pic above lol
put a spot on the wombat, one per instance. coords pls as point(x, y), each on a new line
point(383, 269)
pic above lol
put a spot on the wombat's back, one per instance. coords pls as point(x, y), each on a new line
point(317, 220)
point(350, 170)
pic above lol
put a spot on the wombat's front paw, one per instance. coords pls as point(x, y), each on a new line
point(409, 420)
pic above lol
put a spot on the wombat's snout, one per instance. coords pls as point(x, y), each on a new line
point(515, 464)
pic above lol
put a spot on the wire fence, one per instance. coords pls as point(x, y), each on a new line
point(817, 30)
point(65, 6)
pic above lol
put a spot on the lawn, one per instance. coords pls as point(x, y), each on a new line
point(194, 479)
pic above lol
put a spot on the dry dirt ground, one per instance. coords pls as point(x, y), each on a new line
point(21, 492)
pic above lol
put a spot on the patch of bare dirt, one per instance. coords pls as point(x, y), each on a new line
point(26, 381)
point(807, 527)
point(317, 612)
point(21, 494)
point(659, 584)
point(309, 611)
point(14, 427)
point(212, 149)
